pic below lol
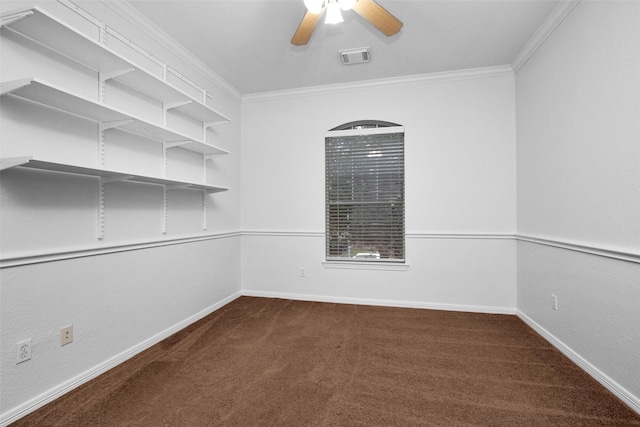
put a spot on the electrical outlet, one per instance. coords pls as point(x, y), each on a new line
point(554, 301)
point(23, 351)
point(66, 335)
point(303, 273)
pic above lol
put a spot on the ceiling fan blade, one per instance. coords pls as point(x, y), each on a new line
point(306, 27)
point(378, 17)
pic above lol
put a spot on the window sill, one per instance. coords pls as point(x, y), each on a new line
point(380, 266)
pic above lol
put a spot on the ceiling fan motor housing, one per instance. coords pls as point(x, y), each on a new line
point(355, 56)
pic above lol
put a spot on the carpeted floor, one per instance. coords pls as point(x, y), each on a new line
point(270, 362)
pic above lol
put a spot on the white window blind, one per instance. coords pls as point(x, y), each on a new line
point(365, 194)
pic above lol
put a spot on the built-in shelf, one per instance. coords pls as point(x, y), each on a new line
point(106, 174)
point(48, 31)
point(50, 95)
point(91, 51)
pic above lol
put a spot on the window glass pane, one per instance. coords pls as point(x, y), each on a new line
point(365, 196)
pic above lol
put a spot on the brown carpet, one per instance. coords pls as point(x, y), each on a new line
point(271, 362)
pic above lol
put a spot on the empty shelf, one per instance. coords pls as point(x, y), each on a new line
point(50, 95)
point(108, 175)
point(49, 31)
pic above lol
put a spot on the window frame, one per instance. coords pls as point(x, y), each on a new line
point(365, 128)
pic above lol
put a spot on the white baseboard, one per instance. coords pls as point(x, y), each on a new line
point(20, 411)
point(623, 394)
point(384, 303)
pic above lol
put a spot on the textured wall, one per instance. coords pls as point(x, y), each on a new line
point(460, 180)
point(578, 132)
point(118, 302)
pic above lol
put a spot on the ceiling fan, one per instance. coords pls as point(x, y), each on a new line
point(368, 9)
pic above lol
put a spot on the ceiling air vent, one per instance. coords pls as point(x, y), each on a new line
point(355, 56)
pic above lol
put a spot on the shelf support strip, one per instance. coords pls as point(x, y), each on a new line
point(100, 208)
point(164, 210)
point(102, 127)
point(205, 196)
point(204, 209)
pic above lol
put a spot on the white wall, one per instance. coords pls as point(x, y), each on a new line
point(577, 183)
point(578, 132)
point(135, 286)
point(460, 181)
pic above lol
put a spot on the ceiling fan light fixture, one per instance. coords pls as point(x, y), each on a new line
point(314, 6)
point(347, 4)
point(333, 13)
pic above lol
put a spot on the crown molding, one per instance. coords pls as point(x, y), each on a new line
point(546, 29)
point(417, 79)
point(141, 22)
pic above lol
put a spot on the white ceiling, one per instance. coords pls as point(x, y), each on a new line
point(248, 42)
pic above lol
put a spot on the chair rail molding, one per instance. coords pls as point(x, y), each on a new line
point(593, 249)
point(59, 254)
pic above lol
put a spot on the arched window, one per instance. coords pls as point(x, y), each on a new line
point(365, 124)
point(364, 164)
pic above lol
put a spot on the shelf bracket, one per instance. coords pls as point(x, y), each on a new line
point(212, 124)
point(166, 106)
point(12, 162)
point(171, 105)
point(8, 87)
point(115, 124)
point(170, 187)
point(207, 125)
point(10, 19)
point(104, 76)
point(174, 144)
point(116, 178)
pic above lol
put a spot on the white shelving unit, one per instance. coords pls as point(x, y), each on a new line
point(107, 175)
point(39, 91)
point(46, 30)
point(49, 31)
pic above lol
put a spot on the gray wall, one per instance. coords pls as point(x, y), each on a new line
point(578, 132)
